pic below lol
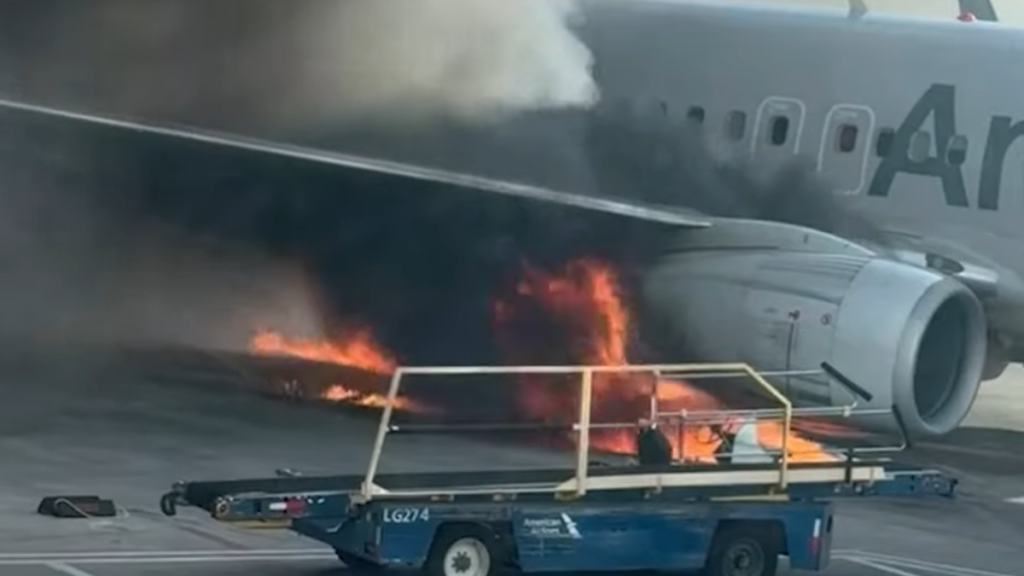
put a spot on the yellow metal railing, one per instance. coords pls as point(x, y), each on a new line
point(583, 424)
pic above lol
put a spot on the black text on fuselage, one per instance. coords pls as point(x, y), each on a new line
point(938, 103)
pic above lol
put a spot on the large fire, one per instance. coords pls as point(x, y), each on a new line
point(581, 310)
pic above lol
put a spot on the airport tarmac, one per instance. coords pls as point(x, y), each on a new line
point(81, 429)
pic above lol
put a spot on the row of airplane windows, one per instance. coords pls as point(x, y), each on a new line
point(845, 136)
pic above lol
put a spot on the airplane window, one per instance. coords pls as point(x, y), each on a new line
point(846, 139)
point(920, 146)
point(695, 114)
point(736, 124)
point(883, 143)
point(956, 152)
point(779, 131)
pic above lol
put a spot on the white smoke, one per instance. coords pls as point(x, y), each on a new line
point(469, 58)
point(300, 63)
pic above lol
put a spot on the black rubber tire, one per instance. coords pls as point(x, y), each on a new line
point(449, 535)
point(743, 550)
point(356, 563)
point(169, 504)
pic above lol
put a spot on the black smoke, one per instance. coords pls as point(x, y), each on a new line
point(663, 162)
point(415, 260)
point(419, 263)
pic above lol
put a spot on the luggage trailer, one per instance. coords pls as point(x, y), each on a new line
point(730, 518)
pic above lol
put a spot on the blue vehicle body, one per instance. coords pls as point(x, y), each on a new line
point(568, 537)
point(670, 528)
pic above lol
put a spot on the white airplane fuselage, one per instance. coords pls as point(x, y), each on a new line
point(916, 122)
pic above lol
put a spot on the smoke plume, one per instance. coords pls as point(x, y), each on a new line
point(77, 268)
point(671, 164)
point(422, 263)
point(411, 260)
point(80, 210)
point(273, 65)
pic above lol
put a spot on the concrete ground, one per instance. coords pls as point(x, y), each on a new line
point(82, 428)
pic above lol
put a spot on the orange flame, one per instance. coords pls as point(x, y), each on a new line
point(586, 298)
point(356, 350)
point(582, 302)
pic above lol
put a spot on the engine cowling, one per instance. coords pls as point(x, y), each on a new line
point(913, 337)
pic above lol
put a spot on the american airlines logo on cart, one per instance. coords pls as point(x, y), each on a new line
point(562, 526)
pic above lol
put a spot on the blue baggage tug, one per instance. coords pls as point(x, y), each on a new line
point(734, 518)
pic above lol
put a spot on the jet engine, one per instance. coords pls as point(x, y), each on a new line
point(913, 337)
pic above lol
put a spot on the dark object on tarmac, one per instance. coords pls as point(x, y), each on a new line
point(652, 447)
point(77, 507)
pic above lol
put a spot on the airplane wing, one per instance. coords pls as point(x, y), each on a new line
point(661, 214)
point(979, 275)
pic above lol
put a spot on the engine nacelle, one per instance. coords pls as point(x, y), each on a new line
point(914, 338)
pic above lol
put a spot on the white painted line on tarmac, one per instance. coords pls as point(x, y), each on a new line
point(67, 570)
point(1017, 500)
point(912, 563)
point(171, 560)
point(923, 568)
point(880, 567)
point(928, 565)
point(160, 553)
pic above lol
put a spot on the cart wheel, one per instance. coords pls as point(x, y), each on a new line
point(462, 551)
point(743, 551)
